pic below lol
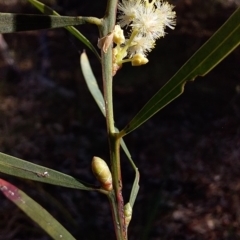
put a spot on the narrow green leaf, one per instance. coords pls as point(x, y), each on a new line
point(48, 11)
point(92, 82)
point(10, 22)
point(98, 97)
point(36, 212)
point(135, 187)
point(20, 168)
point(222, 43)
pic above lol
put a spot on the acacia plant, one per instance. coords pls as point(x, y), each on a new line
point(128, 31)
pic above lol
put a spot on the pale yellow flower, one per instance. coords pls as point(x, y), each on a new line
point(139, 59)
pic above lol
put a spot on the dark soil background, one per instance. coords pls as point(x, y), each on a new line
point(188, 154)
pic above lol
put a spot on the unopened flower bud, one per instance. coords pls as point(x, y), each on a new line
point(102, 173)
point(127, 213)
point(139, 59)
point(118, 36)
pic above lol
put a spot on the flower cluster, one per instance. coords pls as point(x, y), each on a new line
point(146, 21)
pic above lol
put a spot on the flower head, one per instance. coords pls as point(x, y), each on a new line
point(148, 18)
point(140, 45)
point(168, 16)
point(146, 21)
point(128, 12)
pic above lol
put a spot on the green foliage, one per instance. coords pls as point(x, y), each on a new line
point(219, 46)
point(98, 97)
point(20, 168)
point(10, 22)
point(37, 213)
point(48, 11)
point(92, 83)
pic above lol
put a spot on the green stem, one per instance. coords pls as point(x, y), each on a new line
point(112, 201)
point(116, 200)
point(117, 182)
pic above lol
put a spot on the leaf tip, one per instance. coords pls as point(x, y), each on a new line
point(9, 190)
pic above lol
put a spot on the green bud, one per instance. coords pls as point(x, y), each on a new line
point(127, 213)
point(102, 173)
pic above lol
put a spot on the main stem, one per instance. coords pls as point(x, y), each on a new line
point(116, 200)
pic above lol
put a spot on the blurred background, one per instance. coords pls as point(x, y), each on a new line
point(188, 154)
